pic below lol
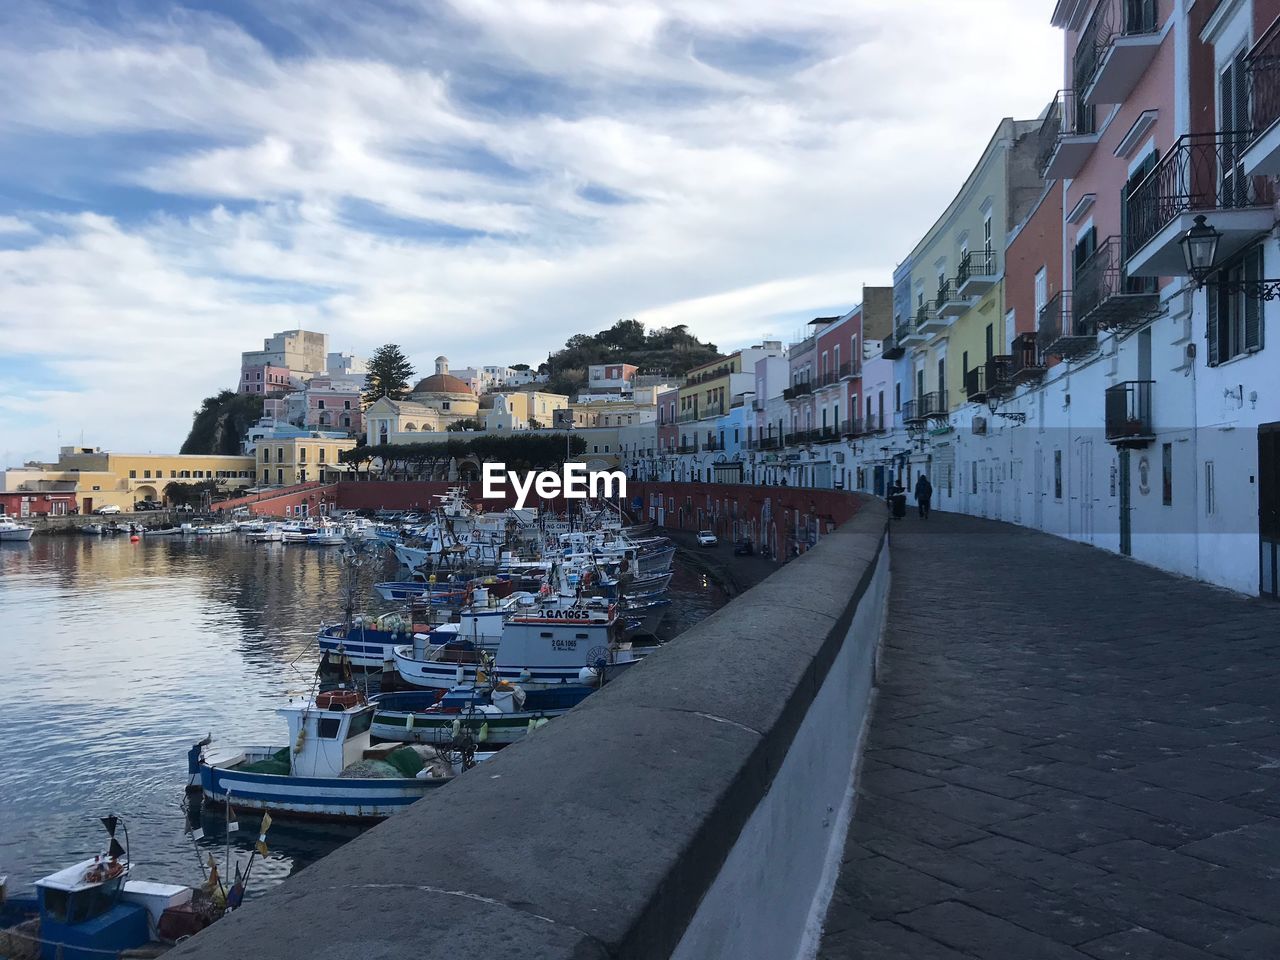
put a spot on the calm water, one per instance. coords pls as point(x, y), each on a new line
point(119, 656)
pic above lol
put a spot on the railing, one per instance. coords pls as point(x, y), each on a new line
point(892, 348)
point(687, 417)
point(975, 384)
point(1104, 294)
point(768, 443)
point(1128, 412)
point(797, 390)
point(1201, 172)
point(687, 448)
point(873, 423)
point(827, 434)
point(1054, 320)
point(852, 428)
point(757, 405)
point(997, 374)
point(934, 404)
point(828, 377)
point(1263, 66)
point(976, 263)
point(1067, 117)
point(708, 375)
point(712, 445)
point(847, 370)
point(1028, 359)
point(946, 292)
point(1111, 19)
point(911, 410)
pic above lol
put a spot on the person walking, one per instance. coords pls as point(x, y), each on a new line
point(924, 493)
point(898, 500)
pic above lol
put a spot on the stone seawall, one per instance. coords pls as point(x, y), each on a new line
point(690, 808)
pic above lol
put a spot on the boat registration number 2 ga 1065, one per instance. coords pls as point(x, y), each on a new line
point(569, 645)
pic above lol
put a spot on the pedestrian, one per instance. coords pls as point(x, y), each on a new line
point(924, 493)
point(898, 500)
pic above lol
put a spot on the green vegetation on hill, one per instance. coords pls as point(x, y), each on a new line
point(666, 350)
point(221, 423)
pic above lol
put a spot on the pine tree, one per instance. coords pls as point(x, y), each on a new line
point(389, 374)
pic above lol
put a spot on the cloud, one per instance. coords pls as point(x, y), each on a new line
point(480, 179)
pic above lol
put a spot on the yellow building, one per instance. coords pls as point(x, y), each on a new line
point(293, 460)
point(104, 479)
point(957, 319)
point(607, 413)
point(524, 410)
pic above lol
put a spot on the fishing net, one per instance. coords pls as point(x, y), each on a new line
point(406, 760)
point(277, 763)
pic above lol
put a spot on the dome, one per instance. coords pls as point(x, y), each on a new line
point(442, 383)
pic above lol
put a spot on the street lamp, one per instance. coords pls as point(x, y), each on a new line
point(993, 404)
point(1200, 250)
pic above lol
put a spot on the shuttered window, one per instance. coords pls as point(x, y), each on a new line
point(1234, 323)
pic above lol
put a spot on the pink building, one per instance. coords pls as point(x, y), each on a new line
point(332, 408)
point(263, 379)
point(838, 355)
point(668, 428)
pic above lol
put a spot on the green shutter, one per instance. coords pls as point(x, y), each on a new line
point(1212, 296)
point(1252, 304)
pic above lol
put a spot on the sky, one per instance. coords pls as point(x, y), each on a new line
point(475, 178)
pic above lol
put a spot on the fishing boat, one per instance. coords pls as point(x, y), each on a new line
point(329, 769)
point(542, 642)
point(93, 529)
point(327, 537)
point(492, 714)
point(163, 532)
point(214, 529)
point(268, 533)
point(296, 531)
point(92, 909)
point(11, 530)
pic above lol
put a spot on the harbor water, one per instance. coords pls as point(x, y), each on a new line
point(119, 656)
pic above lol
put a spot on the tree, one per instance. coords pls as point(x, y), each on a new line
point(220, 424)
point(389, 374)
point(466, 423)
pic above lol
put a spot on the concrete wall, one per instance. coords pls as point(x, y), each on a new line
point(634, 826)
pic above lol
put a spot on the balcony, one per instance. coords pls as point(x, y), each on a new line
point(1028, 360)
point(892, 348)
point(1071, 129)
point(975, 385)
point(848, 370)
point(1060, 335)
point(949, 302)
point(1202, 173)
point(851, 428)
point(797, 390)
point(873, 423)
point(1105, 297)
point(978, 272)
point(911, 411)
point(999, 375)
point(768, 443)
point(687, 417)
point(687, 448)
point(712, 445)
point(1115, 49)
point(1128, 414)
point(927, 321)
point(1262, 155)
point(826, 434)
point(907, 335)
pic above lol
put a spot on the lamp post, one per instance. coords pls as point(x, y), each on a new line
point(1200, 255)
point(993, 404)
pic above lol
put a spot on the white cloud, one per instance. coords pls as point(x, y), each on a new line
point(436, 182)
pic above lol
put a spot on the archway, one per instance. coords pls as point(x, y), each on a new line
point(145, 492)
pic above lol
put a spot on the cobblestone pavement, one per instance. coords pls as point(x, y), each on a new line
point(1072, 756)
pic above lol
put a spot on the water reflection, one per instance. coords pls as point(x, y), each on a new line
point(121, 655)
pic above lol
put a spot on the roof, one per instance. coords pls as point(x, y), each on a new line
point(442, 383)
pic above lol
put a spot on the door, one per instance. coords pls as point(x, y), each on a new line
point(1038, 503)
point(1269, 509)
point(997, 489)
point(88, 504)
point(1015, 482)
point(1126, 506)
point(1085, 488)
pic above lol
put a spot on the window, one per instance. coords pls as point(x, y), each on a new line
point(1234, 324)
point(1210, 494)
point(173, 474)
point(329, 727)
point(346, 421)
point(973, 477)
point(133, 474)
point(1166, 474)
point(897, 397)
point(266, 476)
point(986, 233)
point(280, 477)
point(1057, 474)
point(346, 404)
point(991, 341)
point(279, 454)
point(360, 723)
point(1042, 290)
point(266, 454)
point(444, 405)
point(322, 454)
point(320, 404)
point(146, 474)
point(302, 454)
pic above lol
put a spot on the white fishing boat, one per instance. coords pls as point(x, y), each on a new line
point(297, 531)
point(329, 769)
point(541, 642)
point(327, 537)
point(495, 714)
point(214, 529)
point(11, 530)
point(163, 532)
point(270, 533)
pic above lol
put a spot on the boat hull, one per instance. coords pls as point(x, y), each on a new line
point(443, 676)
point(21, 535)
point(313, 798)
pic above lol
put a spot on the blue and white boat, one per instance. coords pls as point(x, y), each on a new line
point(492, 714)
point(330, 769)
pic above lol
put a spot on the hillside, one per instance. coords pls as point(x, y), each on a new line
point(221, 423)
point(666, 350)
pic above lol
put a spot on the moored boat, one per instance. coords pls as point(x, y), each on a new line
point(329, 770)
point(495, 715)
point(12, 531)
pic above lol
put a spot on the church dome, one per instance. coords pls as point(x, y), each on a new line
point(442, 383)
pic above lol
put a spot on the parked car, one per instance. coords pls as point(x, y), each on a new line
point(110, 508)
point(707, 539)
point(744, 548)
point(144, 505)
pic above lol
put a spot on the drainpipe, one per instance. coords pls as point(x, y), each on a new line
point(1195, 451)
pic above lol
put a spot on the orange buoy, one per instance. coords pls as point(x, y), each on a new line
point(135, 538)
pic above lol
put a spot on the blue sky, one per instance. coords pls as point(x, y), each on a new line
point(479, 178)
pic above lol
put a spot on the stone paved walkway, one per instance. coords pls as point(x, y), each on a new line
point(1072, 756)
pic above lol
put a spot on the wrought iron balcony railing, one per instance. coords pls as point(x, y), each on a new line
point(1105, 296)
point(1263, 66)
point(998, 371)
point(1059, 334)
point(974, 264)
point(1028, 359)
point(911, 411)
point(975, 384)
point(1111, 20)
point(1128, 413)
point(892, 348)
point(1202, 172)
point(1067, 116)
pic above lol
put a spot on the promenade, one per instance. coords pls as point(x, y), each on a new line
point(1072, 756)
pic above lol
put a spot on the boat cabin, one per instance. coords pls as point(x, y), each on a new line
point(328, 734)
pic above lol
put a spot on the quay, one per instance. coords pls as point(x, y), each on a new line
point(1076, 759)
